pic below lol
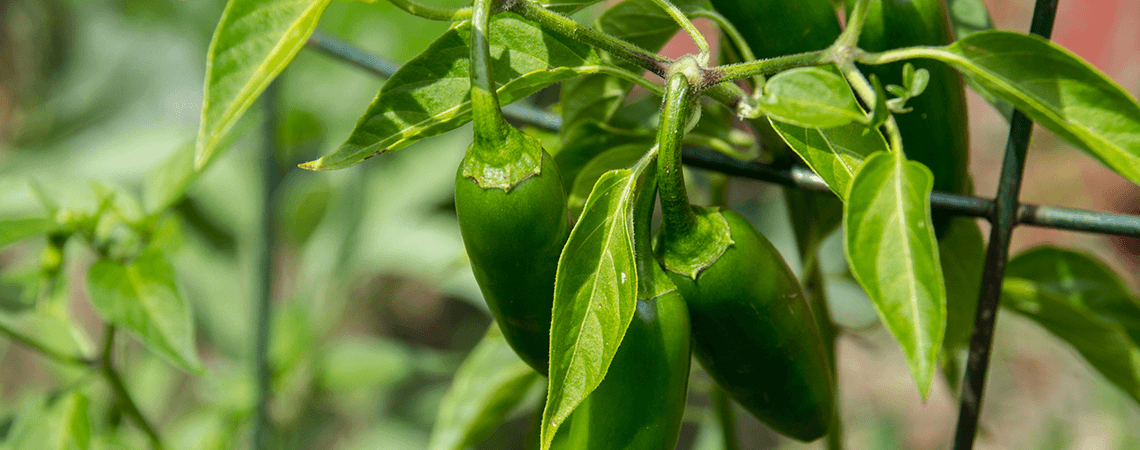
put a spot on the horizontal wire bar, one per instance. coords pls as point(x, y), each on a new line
point(796, 177)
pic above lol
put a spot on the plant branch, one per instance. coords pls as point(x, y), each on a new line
point(1045, 216)
point(563, 25)
point(770, 66)
point(850, 36)
point(433, 13)
point(726, 417)
point(903, 54)
point(121, 393)
point(688, 26)
point(488, 117)
point(737, 39)
point(39, 347)
point(867, 93)
point(678, 217)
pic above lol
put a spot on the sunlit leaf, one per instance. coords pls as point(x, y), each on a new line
point(810, 97)
point(1056, 89)
point(595, 296)
point(892, 251)
point(142, 296)
point(836, 154)
point(254, 41)
point(969, 17)
point(431, 93)
point(489, 384)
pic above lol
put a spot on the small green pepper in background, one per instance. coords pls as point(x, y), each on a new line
point(511, 206)
point(936, 132)
point(753, 329)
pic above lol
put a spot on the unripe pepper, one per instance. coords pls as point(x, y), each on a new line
point(641, 401)
point(753, 329)
point(782, 27)
point(511, 207)
point(936, 132)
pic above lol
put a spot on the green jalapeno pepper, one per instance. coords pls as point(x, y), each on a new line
point(511, 206)
point(753, 329)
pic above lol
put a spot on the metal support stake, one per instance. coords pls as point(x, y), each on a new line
point(263, 311)
point(1003, 218)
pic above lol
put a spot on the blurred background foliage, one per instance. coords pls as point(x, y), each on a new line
point(375, 305)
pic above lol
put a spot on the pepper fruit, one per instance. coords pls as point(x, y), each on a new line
point(782, 27)
point(753, 329)
point(936, 132)
point(640, 403)
point(511, 206)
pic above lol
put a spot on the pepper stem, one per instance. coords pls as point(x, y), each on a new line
point(679, 218)
point(487, 117)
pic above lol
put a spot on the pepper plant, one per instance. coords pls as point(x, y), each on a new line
point(604, 304)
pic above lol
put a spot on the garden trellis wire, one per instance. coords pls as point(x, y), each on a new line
point(1004, 212)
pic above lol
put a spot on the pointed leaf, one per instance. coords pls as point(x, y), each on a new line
point(1081, 280)
point(595, 296)
point(619, 157)
point(892, 251)
point(143, 297)
point(810, 97)
point(836, 154)
point(1056, 89)
point(1103, 343)
point(489, 384)
point(431, 93)
point(254, 41)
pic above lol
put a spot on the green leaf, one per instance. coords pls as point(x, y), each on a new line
point(892, 251)
point(836, 154)
point(431, 93)
point(1103, 343)
point(962, 252)
point(489, 384)
point(253, 43)
point(1056, 89)
point(64, 424)
point(810, 97)
point(12, 230)
point(595, 296)
point(48, 326)
point(143, 297)
point(1081, 280)
point(587, 139)
point(619, 157)
point(968, 17)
